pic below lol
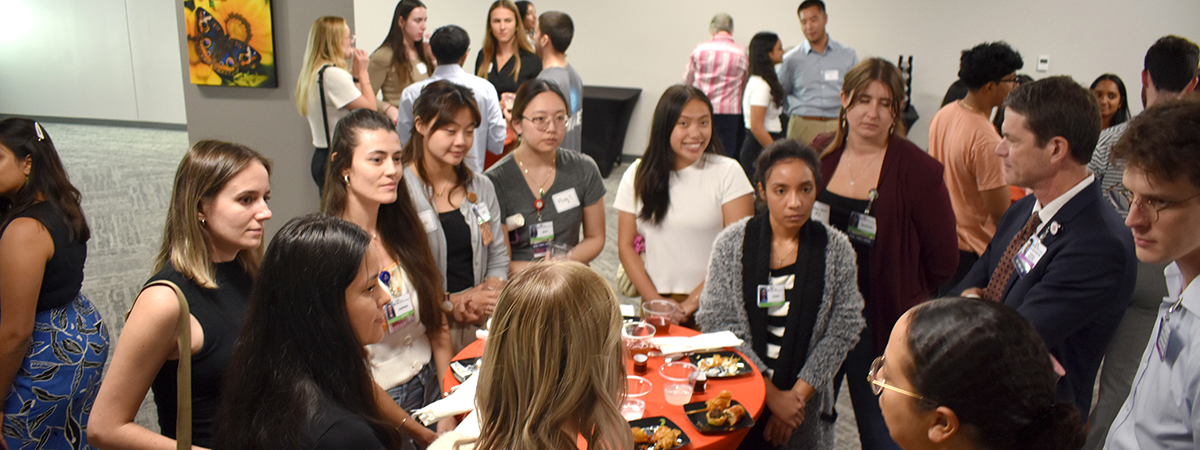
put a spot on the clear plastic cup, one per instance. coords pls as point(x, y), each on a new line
point(635, 388)
point(658, 313)
point(680, 378)
point(633, 409)
point(636, 336)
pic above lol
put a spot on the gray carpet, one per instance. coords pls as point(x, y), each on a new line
point(125, 175)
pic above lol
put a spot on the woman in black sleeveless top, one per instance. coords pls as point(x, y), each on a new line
point(211, 249)
point(53, 343)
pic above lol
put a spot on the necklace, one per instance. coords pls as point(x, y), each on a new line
point(538, 203)
point(788, 255)
point(969, 108)
point(854, 177)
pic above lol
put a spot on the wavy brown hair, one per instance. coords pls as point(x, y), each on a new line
point(489, 41)
point(853, 86)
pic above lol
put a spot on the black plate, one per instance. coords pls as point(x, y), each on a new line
point(699, 420)
point(744, 367)
point(651, 424)
point(464, 368)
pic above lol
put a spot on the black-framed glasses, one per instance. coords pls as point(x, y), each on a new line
point(542, 123)
point(1013, 80)
point(1126, 199)
point(878, 384)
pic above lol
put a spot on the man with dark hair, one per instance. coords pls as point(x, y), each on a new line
point(1169, 72)
point(963, 139)
point(812, 74)
point(554, 33)
point(717, 68)
point(1161, 150)
point(449, 46)
point(1061, 257)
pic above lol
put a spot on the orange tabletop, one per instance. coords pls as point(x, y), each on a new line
point(748, 390)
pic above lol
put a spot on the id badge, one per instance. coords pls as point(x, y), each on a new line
point(861, 228)
point(482, 214)
point(1029, 255)
point(830, 75)
point(1168, 345)
point(429, 219)
point(820, 213)
point(399, 310)
point(770, 295)
point(541, 236)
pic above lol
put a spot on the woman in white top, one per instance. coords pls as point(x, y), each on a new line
point(679, 196)
point(363, 186)
point(762, 100)
point(329, 45)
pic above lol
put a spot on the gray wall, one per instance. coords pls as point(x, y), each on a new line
point(266, 119)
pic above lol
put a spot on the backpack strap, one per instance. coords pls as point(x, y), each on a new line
point(183, 387)
point(324, 114)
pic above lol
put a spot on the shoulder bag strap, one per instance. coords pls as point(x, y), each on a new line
point(183, 388)
point(324, 114)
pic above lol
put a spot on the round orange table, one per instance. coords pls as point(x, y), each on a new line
point(748, 390)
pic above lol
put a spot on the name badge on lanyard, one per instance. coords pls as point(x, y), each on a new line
point(1032, 251)
point(861, 227)
point(770, 295)
point(541, 236)
point(399, 310)
point(1168, 345)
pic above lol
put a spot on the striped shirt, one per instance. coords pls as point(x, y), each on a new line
point(1108, 170)
point(718, 68)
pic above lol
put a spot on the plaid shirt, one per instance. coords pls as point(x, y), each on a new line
point(718, 68)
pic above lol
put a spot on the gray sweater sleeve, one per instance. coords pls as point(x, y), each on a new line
point(496, 252)
point(840, 320)
point(721, 300)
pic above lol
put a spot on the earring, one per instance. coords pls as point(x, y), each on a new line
point(891, 129)
point(346, 178)
point(203, 223)
point(845, 123)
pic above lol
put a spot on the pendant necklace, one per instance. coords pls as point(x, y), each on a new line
point(870, 163)
point(539, 203)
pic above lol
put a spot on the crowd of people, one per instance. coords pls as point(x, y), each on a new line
point(778, 198)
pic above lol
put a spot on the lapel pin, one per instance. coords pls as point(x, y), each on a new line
point(1054, 227)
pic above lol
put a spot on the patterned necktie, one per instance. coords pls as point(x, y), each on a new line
point(1004, 270)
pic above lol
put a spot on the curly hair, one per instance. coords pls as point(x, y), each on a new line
point(988, 62)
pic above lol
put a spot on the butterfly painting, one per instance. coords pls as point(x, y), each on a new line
point(230, 43)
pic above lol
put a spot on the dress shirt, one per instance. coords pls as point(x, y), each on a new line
point(489, 136)
point(718, 68)
point(1047, 212)
point(1159, 412)
point(803, 74)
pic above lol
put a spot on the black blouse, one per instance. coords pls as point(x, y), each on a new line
point(502, 78)
point(460, 256)
point(63, 275)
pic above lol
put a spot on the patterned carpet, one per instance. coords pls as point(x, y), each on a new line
point(125, 175)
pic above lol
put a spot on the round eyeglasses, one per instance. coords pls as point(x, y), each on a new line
point(878, 384)
point(1150, 207)
point(542, 123)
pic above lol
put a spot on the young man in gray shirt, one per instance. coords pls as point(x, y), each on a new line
point(554, 33)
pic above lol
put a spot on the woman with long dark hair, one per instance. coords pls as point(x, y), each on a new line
point(547, 192)
point(457, 208)
point(53, 343)
point(679, 196)
point(890, 198)
point(529, 17)
point(962, 373)
point(303, 380)
point(211, 248)
point(507, 58)
point(1114, 116)
point(403, 58)
point(800, 339)
point(1114, 102)
point(363, 186)
point(762, 99)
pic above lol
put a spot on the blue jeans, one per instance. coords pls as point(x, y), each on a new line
point(417, 393)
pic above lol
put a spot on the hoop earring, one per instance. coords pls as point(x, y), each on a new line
point(346, 178)
point(891, 129)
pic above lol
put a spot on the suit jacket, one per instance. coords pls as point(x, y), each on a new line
point(1077, 293)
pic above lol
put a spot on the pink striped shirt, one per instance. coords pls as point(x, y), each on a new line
point(718, 68)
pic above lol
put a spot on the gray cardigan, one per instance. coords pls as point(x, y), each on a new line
point(839, 320)
point(487, 261)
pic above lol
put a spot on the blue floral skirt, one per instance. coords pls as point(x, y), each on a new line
point(52, 395)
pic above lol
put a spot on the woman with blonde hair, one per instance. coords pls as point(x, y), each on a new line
point(458, 208)
point(364, 188)
point(507, 59)
point(552, 369)
point(212, 245)
point(328, 88)
point(889, 197)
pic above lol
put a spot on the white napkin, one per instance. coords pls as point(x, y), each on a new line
point(460, 401)
point(675, 344)
point(470, 425)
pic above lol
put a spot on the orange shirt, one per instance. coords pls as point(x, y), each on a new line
point(965, 143)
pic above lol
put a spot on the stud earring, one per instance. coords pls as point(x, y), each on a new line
point(346, 178)
point(203, 223)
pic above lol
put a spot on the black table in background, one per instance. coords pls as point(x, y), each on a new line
point(605, 122)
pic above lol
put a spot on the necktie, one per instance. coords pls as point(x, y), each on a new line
point(1004, 270)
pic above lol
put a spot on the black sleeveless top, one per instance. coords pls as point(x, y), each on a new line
point(220, 312)
point(63, 274)
point(840, 209)
point(460, 256)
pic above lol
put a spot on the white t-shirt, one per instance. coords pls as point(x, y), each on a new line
point(340, 90)
point(758, 93)
point(678, 248)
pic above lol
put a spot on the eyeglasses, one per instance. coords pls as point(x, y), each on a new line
point(543, 122)
point(1151, 207)
point(878, 384)
point(1013, 80)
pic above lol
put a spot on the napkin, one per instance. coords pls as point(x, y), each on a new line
point(470, 425)
point(460, 401)
point(675, 344)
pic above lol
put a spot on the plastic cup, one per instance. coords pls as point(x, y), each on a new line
point(636, 387)
point(636, 336)
point(633, 409)
point(680, 378)
point(658, 313)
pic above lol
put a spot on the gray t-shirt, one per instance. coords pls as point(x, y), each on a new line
point(576, 185)
point(571, 85)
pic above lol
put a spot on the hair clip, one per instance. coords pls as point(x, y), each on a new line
point(37, 128)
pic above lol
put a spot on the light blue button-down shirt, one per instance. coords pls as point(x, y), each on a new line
point(1161, 410)
point(490, 134)
point(813, 80)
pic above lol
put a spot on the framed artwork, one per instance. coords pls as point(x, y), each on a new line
point(230, 43)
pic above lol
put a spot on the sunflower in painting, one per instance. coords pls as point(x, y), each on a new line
point(230, 42)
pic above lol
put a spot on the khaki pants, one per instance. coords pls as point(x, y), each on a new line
point(805, 130)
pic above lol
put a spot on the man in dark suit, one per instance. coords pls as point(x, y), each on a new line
point(1061, 257)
